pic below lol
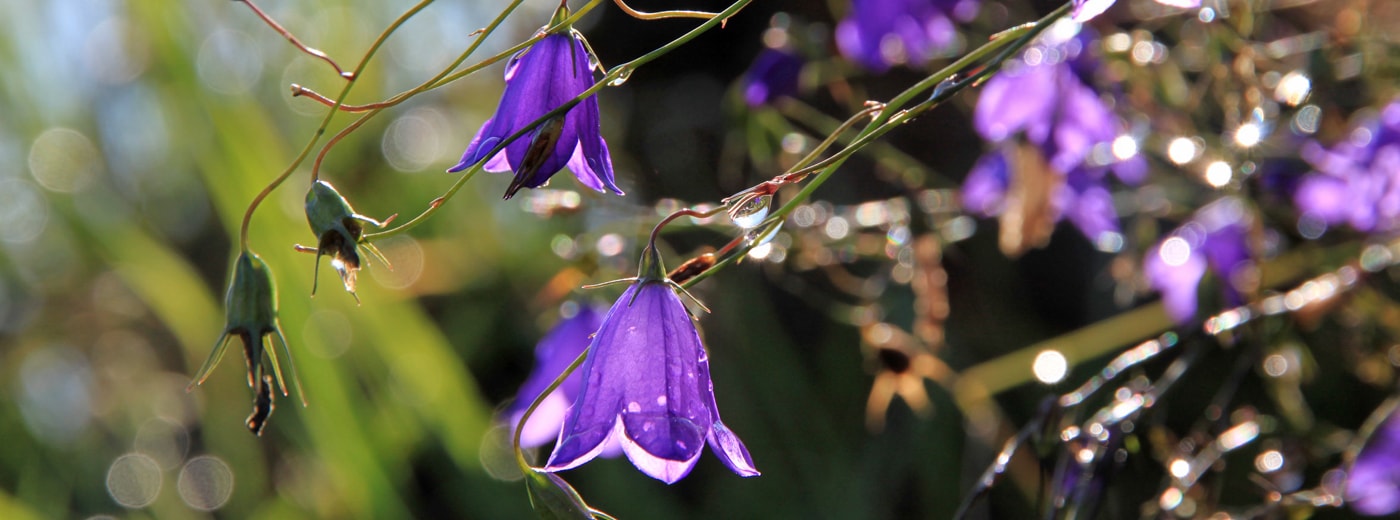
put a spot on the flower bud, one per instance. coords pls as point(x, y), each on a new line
point(251, 315)
point(339, 231)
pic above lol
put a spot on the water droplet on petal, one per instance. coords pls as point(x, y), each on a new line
point(661, 400)
point(634, 407)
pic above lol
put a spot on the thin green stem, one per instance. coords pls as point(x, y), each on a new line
point(1008, 42)
point(321, 130)
point(525, 467)
point(614, 76)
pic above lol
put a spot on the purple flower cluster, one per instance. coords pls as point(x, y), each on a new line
point(1356, 181)
point(774, 74)
point(1044, 104)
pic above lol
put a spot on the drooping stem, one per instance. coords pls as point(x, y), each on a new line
point(525, 466)
point(684, 212)
point(321, 130)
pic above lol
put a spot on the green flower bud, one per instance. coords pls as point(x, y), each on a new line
point(251, 315)
point(339, 231)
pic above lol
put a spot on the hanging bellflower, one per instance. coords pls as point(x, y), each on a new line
point(539, 79)
point(1356, 181)
point(646, 384)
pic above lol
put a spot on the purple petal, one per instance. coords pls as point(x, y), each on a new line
point(1175, 269)
point(544, 424)
point(1085, 10)
point(1092, 208)
point(984, 189)
point(665, 470)
point(1021, 101)
point(591, 161)
point(774, 74)
point(1373, 481)
point(731, 450)
point(1084, 121)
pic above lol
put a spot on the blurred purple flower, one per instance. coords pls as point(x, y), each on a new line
point(1085, 10)
point(1048, 106)
point(1357, 181)
point(1082, 198)
point(1373, 482)
point(559, 347)
point(1213, 239)
point(774, 74)
point(647, 384)
point(539, 79)
point(882, 33)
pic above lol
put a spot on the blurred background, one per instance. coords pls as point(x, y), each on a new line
point(874, 357)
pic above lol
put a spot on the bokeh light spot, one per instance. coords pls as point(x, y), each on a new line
point(133, 480)
point(206, 482)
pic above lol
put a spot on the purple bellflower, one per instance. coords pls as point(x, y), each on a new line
point(1213, 239)
point(539, 79)
point(1373, 482)
point(774, 74)
point(1357, 181)
point(553, 354)
point(1085, 10)
point(882, 33)
point(646, 383)
point(1046, 108)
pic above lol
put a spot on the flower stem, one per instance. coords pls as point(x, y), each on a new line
point(661, 15)
point(321, 130)
point(295, 42)
point(525, 467)
point(1008, 42)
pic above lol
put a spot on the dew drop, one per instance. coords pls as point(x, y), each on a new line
point(750, 213)
point(661, 400)
point(634, 407)
point(622, 78)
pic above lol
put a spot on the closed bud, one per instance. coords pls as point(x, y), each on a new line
point(339, 232)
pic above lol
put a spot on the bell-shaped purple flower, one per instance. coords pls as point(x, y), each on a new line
point(559, 347)
point(1357, 181)
point(882, 33)
point(646, 384)
point(1373, 482)
point(774, 74)
point(1213, 239)
point(1085, 10)
point(539, 79)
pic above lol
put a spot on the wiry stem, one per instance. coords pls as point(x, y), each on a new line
point(661, 15)
point(321, 130)
point(291, 38)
